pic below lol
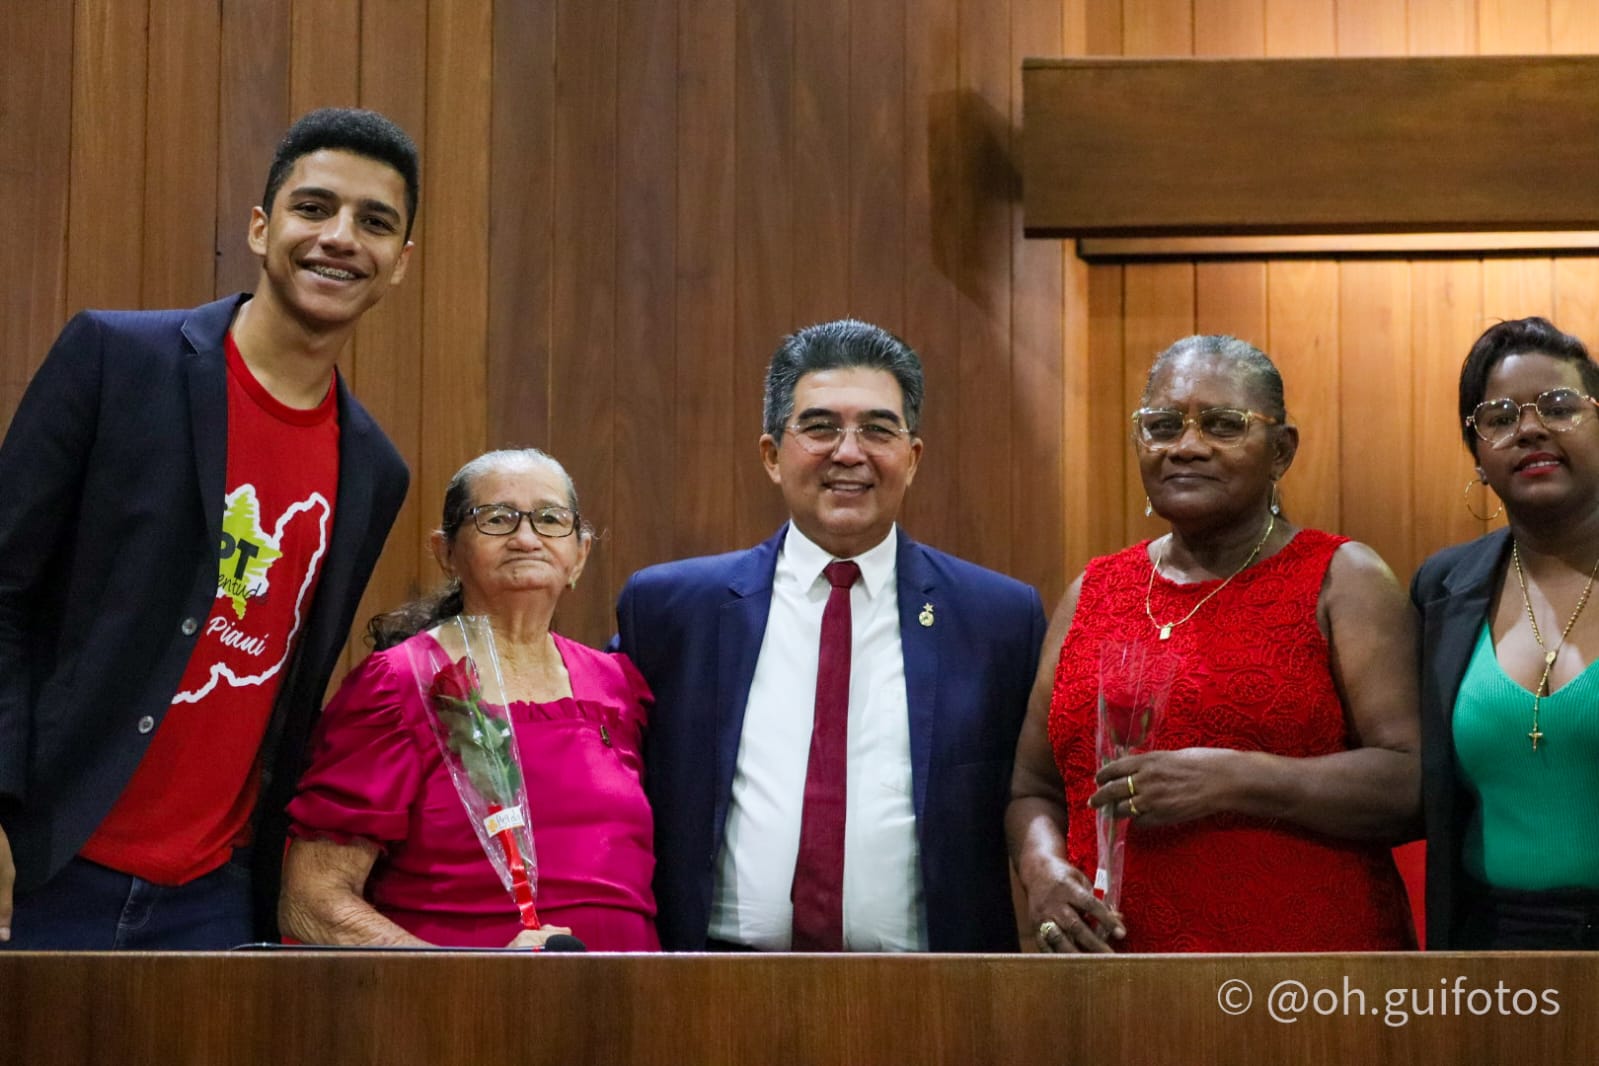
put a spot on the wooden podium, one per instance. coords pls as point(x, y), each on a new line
point(432, 1008)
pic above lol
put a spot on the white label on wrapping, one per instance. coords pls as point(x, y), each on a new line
point(1101, 881)
point(510, 818)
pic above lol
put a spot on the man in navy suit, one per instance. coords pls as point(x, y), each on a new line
point(191, 503)
point(938, 656)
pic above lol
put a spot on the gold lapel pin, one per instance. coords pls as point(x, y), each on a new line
point(926, 617)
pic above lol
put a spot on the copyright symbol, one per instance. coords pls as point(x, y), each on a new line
point(1234, 997)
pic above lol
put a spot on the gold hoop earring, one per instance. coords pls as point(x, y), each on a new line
point(1472, 511)
point(1275, 505)
point(1149, 508)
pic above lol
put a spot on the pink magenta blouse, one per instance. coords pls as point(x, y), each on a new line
point(376, 773)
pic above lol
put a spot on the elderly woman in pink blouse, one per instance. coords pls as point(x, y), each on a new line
point(382, 850)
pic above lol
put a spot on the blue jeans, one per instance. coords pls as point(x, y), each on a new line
point(89, 907)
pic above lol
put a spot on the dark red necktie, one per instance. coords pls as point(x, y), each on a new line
point(819, 868)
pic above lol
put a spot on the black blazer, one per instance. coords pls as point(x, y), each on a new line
point(111, 484)
point(694, 629)
point(1453, 590)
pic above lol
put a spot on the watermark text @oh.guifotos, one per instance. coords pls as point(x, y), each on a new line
point(1290, 1000)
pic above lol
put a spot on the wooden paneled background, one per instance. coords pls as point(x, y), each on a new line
point(627, 202)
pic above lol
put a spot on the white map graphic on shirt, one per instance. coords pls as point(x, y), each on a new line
point(250, 577)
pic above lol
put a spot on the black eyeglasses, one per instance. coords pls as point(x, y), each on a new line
point(1558, 410)
point(500, 520)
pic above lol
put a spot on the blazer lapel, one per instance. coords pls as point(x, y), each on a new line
point(741, 626)
point(1453, 622)
point(919, 645)
point(207, 374)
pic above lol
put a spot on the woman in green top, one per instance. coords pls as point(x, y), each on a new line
point(1510, 706)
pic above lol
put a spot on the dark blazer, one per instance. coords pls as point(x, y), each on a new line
point(1453, 590)
point(111, 484)
point(694, 628)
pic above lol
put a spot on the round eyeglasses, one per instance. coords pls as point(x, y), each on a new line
point(823, 438)
point(1558, 410)
point(1159, 428)
point(501, 520)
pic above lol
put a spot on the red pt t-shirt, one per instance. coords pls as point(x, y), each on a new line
point(190, 800)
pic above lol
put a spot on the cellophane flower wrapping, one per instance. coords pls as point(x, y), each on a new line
point(460, 681)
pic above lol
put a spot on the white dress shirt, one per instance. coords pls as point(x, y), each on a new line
point(883, 909)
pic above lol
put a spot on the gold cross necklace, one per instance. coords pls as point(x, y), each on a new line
point(1167, 627)
point(1549, 654)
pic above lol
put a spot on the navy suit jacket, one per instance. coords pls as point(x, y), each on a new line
point(112, 478)
point(694, 628)
point(1453, 590)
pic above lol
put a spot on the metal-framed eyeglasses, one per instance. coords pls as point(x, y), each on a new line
point(1558, 410)
point(501, 520)
point(1159, 428)
point(822, 437)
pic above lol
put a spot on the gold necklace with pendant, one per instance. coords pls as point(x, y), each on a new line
point(1166, 628)
point(1548, 655)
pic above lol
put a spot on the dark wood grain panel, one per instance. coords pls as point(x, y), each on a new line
point(988, 183)
point(583, 312)
point(105, 239)
point(324, 35)
point(875, 177)
point(180, 187)
point(821, 133)
point(253, 112)
point(720, 491)
point(1402, 150)
point(455, 232)
point(1038, 520)
point(932, 276)
point(35, 142)
point(1377, 487)
point(1445, 318)
point(1303, 340)
point(643, 479)
point(522, 207)
point(1158, 304)
point(388, 1008)
point(386, 364)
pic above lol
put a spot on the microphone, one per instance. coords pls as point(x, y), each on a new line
point(563, 942)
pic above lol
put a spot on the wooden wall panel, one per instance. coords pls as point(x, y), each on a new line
point(716, 400)
point(1158, 305)
point(180, 193)
point(932, 298)
point(583, 318)
point(641, 482)
point(1038, 460)
point(385, 366)
point(987, 185)
point(105, 243)
point(876, 170)
point(253, 111)
point(626, 204)
point(1445, 318)
point(454, 281)
point(35, 141)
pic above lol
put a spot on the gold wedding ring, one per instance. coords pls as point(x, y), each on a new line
point(1131, 806)
point(1131, 791)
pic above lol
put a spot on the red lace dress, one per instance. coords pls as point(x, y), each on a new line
point(1253, 675)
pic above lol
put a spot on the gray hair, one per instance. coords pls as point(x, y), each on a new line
point(841, 345)
point(1261, 375)
point(458, 494)
point(391, 627)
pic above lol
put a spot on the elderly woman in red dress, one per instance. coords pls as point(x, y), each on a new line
point(1286, 761)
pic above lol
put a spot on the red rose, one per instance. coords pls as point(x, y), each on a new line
point(456, 683)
